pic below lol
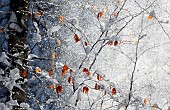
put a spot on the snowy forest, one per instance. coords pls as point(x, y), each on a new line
point(84, 55)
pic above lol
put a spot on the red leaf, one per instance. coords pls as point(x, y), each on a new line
point(64, 70)
point(69, 79)
point(97, 86)
point(24, 73)
point(85, 89)
point(113, 91)
point(59, 89)
point(99, 77)
point(85, 43)
point(99, 15)
point(116, 43)
point(86, 71)
point(76, 38)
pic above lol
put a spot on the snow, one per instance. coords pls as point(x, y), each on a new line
point(11, 103)
point(36, 38)
point(99, 72)
point(32, 56)
point(3, 58)
point(26, 106)
point(102, 26)
point(14, 73)
point(79, 94)
point(3, 107)
point(53, 29)
point(1, 72)
point(88, 48)
point(10, 82)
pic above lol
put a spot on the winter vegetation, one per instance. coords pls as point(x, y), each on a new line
point(84, 55)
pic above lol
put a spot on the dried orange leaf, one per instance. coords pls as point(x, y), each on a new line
point(115, 14)
point(64, 70)
point(38, 13)
point(76, 38)
point(24, 74)
point(153, 107)
point(145, 101)
point(85, 89)
point(88, 73)
point(37, 70)
point(59, 89)
point(54, 55)
point(61, 19)
point(52, 86)
point(99, 15)
point(99, 77)
point(113, 91)
point(150, 17)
